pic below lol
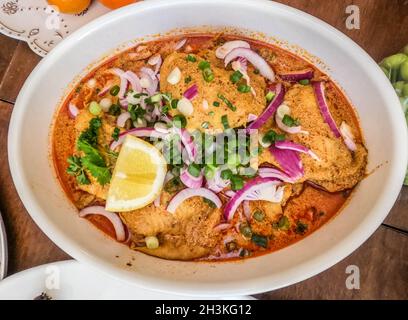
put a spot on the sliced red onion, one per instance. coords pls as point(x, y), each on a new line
point(285, 128)
point(252, 188)
point(228, 46)
point(324, 108)
point(191, 92)
point(348, 136)
point(290, 145)
point(222, 226)
point(188, 142)
point(73, 110)
point(189, 180)
point(111, 216)
point(104, 90)
point(289, 161)
point(255, 59)
point(134, 81)
point(229, 193)
point(151, 76)
point(247, 209)
point(217, 184)
point(180, 44)
point(123, 117)
point(251, 117)
point(268, 172)
point(154, 59)
point(270, 109)
point(156, 201)
point(137, 132)
point(124, 103)
point(297, 75)
point(123, 81)
point(189, 193)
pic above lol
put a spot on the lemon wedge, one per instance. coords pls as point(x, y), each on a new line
point(138, 176)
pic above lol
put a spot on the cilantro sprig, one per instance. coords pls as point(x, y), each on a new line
point(92, 161)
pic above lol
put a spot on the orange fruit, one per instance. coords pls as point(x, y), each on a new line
point(70, 6)
point(114, 4)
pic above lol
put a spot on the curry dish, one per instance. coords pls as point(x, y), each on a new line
point(207, 147)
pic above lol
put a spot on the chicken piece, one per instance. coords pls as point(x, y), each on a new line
point(104, 139)
point(245, 103)
point(185, 235)
point(338, 168)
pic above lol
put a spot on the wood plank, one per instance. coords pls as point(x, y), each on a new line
point(398, 216)
point(28, 246)
point(21, 65)
point(382, 22)
point(383, 265)
point(8, 46)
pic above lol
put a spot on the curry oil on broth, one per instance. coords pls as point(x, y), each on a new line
point(312, 206)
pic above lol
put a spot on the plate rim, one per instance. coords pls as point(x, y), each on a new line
point(313, 266)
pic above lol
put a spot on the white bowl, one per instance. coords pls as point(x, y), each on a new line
point(381, 117)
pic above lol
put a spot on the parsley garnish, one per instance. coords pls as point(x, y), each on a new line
point(76, 169)
point(92, 159)
point(115, 134)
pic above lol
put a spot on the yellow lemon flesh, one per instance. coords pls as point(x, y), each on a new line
point(138, 176)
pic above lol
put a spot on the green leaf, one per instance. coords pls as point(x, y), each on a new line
point(91, 153)
point(76, 169)
point(101, 173)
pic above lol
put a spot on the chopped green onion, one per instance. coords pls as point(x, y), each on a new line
point(179, 121)
point(114, 91)
point(301, 227)
point(243, 88)
point(174, 103)
point(194, 169)
point(236, 76)
point(269, 96)
point(152, 242)
point(209, 172)
point(156, 98)
point(115, 134)
point(114, 110)
point(187, 79)
point(191, 58)
point(208, 75)
point(245, 230)
point(224, 121)
point(259, 215)
point(227, 102)
point(259, 240)
point(203, 65)
point(237, 183)
point(167, 96)
point(165, 109)
point(216, 104)
point(205, 125)
point(210, 203)
point(289, 121)
point(304, 82)
point(271, 136)
point(226, 174)
point(284, 223)
point(95, 108)
point(211, 113)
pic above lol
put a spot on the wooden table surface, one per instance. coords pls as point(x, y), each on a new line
point(382, 260)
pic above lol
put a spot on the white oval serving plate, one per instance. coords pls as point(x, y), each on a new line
point(381, 117)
